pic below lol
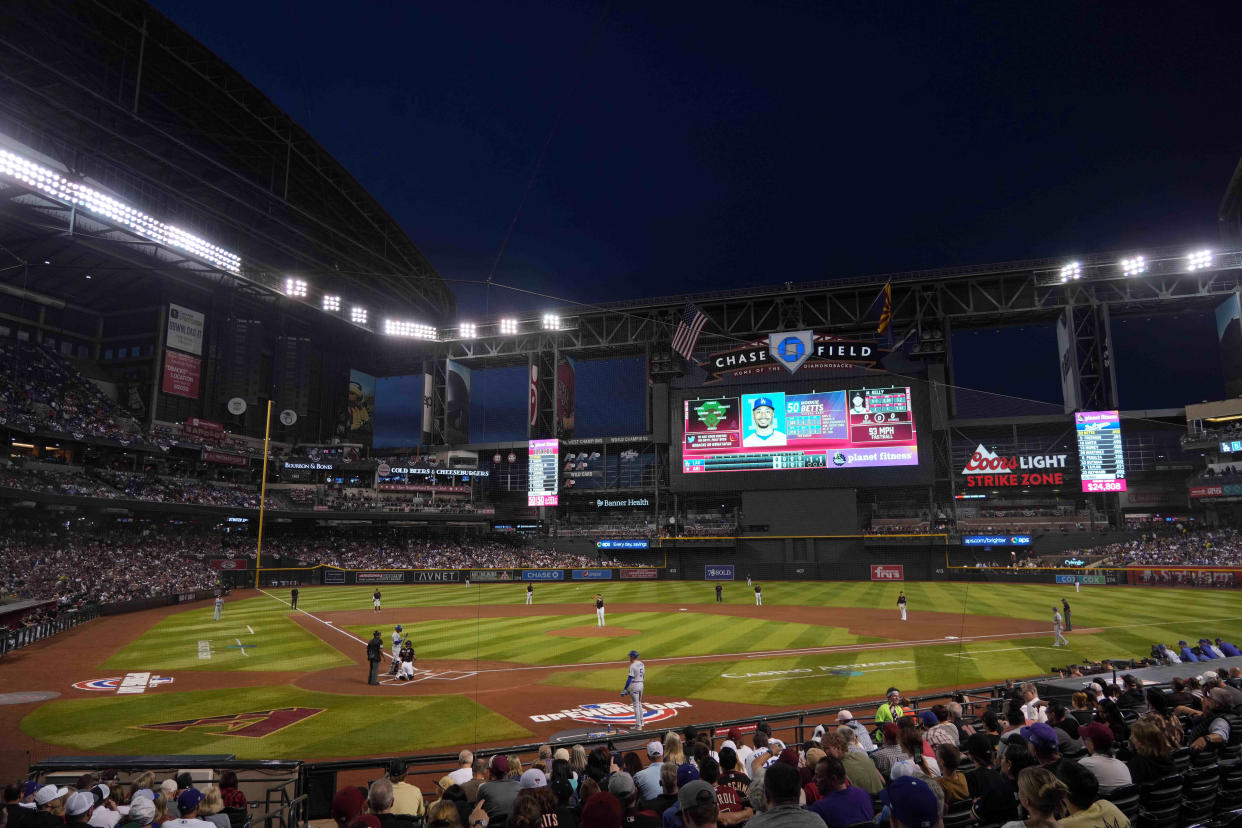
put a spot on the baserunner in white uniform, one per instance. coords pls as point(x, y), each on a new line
point(634, 687)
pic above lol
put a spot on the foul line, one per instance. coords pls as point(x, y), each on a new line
point(836, 648)
point(327, 624)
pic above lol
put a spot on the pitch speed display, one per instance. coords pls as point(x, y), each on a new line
point(775, 431)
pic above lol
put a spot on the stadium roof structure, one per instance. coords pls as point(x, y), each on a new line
point(132, 153)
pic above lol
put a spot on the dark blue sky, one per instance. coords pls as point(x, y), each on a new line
point(701, 146)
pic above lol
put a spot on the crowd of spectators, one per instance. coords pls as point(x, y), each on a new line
point(1207, 547)
point(40, 391)
point(104, 801)
point(1048, 763)
point(101, 566)
point(139, 486)
point(119, 564)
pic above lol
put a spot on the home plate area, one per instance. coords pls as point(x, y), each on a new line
point(427, 675)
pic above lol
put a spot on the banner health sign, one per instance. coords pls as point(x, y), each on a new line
point(718, 572)
point(543, 575)
point(996, 540)
point(623, 544)
point(592, 574)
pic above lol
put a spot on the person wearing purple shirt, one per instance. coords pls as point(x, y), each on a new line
point(840, 804)
point(1227, 648)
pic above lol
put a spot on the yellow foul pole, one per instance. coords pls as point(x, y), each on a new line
point(267, 434)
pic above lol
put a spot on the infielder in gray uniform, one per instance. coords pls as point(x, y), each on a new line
point(219, 606)
point(634, 687)
point(1058, 639)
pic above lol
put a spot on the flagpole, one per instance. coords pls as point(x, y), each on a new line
point(267, 434)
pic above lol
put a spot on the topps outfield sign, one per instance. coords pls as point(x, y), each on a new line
point(986, 469)
point(791, 351)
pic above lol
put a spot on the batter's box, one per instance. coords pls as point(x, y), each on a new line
point(431, 675)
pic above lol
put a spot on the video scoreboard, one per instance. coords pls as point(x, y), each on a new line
point(543, 466)
point(775, 431)
point(1100, 452)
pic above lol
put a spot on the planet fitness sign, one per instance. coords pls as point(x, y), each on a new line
point(986, 469)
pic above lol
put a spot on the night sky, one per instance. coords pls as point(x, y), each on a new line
point(688, 147)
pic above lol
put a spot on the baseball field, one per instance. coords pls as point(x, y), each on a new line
point(266, 681)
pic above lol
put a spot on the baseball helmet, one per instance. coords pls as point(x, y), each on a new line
point(633, 653)
point(398, 628)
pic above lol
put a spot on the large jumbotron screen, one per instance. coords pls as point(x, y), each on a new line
point(820, 437)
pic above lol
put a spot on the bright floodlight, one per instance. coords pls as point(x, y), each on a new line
point(551, 322)
point(1134, 266)
point(412, 330)
point(508, 326)
point(53, 185)
point(295, 288)
point(358, 315)
point(332, 303)
point(1071, 272)
point(1199, 259)
point(468, 330)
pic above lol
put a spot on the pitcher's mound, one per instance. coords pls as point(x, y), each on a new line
point(593, 632)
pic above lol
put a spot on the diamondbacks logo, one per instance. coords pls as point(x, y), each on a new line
point(254, 725)
point(615, 713)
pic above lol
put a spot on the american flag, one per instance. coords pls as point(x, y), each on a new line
point(688, 329)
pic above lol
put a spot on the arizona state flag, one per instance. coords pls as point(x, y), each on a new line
point(885, 304)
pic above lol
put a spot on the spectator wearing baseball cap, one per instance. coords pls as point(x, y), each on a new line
point(346, 805)
point(407, 800)
point(188, 803)
point(911, 803)
point(141, 813)
point(105, 814)
point(78, 807)
point(498, 793)
point(889, 753)
point(1110, 772)
point(846, 719)
point(602, 810)
point(686, 774)
point(49, 808)
point(697, 805)
point(648, 779)
point(1042, 741)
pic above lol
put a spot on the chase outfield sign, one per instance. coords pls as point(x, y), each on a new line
point(791, 351)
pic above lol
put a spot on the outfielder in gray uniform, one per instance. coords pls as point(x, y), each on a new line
point(634, 687)
point(1058, 639)
point(219, 607)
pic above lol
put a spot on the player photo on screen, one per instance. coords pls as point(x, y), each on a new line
point(763, 420)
